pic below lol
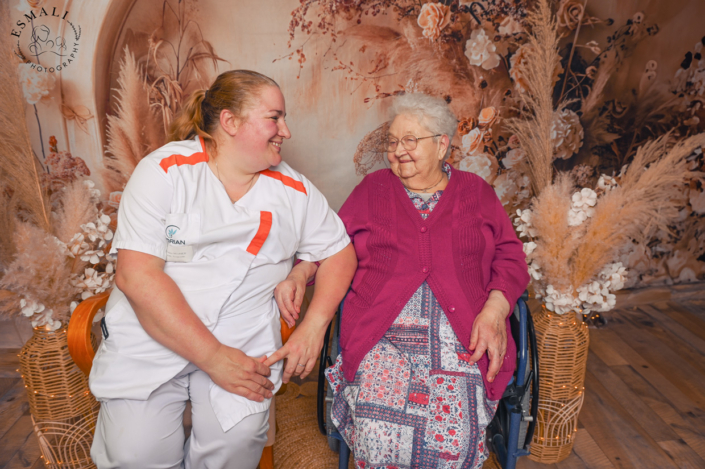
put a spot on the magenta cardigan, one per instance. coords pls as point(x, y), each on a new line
point(464, 249)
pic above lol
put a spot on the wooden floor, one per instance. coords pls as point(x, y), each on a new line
point(644, 404)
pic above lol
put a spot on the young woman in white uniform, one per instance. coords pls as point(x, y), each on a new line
point(208, 226)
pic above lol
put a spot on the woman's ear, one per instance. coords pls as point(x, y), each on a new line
point(444, 144)
point(229, 122)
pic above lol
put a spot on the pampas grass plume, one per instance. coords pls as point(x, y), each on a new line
point(133, 131)
point(40, 271)
point(642, 204)
point(533, 127)
point(19, 167)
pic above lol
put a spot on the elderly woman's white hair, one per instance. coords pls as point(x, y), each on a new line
point(433, 113)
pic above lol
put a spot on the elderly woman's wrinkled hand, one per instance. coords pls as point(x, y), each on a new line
point(489, 333)
point(289, 294)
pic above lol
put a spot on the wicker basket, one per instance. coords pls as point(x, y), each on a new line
point(63, 410)
point(562, 349)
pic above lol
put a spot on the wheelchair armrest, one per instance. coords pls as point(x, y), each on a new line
point(79, 332)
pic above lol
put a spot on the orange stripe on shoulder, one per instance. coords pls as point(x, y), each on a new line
point(178, 160)
point(265, 224)
point(286, 180)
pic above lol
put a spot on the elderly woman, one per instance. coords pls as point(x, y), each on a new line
point(425, 349)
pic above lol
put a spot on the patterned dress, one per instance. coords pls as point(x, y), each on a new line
point(416, 402)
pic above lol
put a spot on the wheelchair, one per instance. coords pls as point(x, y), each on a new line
point(509, 434)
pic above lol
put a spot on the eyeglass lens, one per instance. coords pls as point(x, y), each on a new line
point(408, 142)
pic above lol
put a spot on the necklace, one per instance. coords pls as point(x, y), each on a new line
point(217, 169)
point(420, 190)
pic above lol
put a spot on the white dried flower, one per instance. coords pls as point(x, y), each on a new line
point(514, 157)
point(471, 142)
point(582, 204)
point(584, 200)
point(560, 302)
point(478, 163)
point(30, 308)
point(95, 193)
point(567, 133)
point(481, 51)
point(505, 188)
point(35, 85)
point(535, 270)
point(509, 26)
point(529, 248)
point(606, 183)
point(523, 223)
point(697, 201)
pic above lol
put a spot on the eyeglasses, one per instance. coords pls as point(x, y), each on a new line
point(409, 142)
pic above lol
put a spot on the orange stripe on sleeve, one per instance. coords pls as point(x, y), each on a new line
point(179, 160)
point(265, 224)
point(286, 180)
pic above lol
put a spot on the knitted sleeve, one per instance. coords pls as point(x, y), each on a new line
point(354, 210)
point(509, 273)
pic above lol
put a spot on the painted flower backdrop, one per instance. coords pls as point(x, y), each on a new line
point(475, 55)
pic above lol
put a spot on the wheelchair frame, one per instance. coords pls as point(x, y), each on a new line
point(509, 434)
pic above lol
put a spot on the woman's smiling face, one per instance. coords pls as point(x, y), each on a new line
point(260, 136)
point(422, 161)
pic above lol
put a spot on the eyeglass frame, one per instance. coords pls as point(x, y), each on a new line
point(416, 139)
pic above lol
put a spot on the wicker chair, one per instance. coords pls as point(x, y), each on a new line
point(82, 352)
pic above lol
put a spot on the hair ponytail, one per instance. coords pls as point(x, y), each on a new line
point(189, 122)
point(233, 90)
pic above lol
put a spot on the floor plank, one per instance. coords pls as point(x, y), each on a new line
point(14, 404)
point(647, 419)
point(15, 438)
point(644, 322)
point(9, 363)
point(684, 317)
point(697, 307)
point(590, 452)
point(676, 328)
point(682, 454)
point(27, 456)
point(620, 437)
point(660, 357)
point(670, 393)
point(681, 424)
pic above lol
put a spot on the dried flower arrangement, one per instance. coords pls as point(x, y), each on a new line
point(55, 236)
point(151, 89)
point(574, 235)
point(484, 59)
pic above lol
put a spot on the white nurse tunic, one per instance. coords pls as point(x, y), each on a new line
point(225, 257)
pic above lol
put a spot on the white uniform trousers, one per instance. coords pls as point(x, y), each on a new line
point(132, 434)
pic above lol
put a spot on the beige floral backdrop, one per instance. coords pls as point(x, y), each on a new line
point(631, 71)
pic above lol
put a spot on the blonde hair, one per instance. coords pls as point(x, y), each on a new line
point(233, 90)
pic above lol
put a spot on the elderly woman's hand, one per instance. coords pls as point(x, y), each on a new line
point(489, 333)
point(289, 294)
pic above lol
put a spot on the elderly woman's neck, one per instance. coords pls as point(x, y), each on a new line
point(428, 182)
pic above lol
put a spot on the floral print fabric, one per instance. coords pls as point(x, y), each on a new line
point(416, 402)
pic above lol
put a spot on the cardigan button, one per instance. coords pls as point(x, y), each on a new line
point(423, 229)
point(451, 309)
point(424, 270)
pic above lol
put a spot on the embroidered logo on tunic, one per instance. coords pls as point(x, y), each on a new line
point(170, 232)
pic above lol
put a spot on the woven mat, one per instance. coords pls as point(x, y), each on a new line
point(299, 444)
